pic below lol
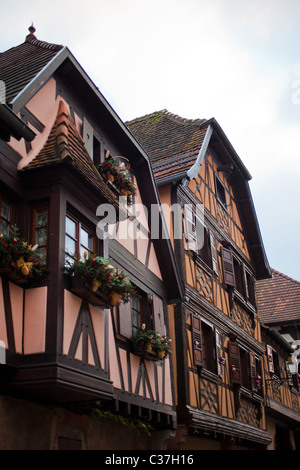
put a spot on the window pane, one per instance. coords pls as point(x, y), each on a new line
point(41, 237)
point(4, 228)
point(70, 227)
point(69, 259)
point(136, 317)
point(70, 246)
point(42, 252)
point(41, 218)
point(84, 237)
point(5, 210)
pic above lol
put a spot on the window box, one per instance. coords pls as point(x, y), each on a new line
point(145, 350)
point(95, 279)
point(19, 261)
point(150, 344)
point(117, 176)
point(84, 289)
point(10, 271)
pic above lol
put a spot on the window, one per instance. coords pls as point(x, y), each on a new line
point(245, 367)
point(200, 239)
point(250, 292)
point(273, 361)
point(147, 310)
point(6, 216)
point(220, 191)
point(40, 232)
point(237, 276)
point(78, 239)
point(206, 345)
point(137, 320)
point(96, 151)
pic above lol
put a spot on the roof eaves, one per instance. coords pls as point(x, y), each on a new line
point(12, 125)
point(39, 80)
point(224, 139)
point(279, 338)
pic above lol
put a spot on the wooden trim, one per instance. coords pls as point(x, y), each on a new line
point(8, 315)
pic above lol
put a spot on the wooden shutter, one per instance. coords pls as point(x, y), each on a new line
point(289, 375)
point(158, 314)
point(214, 253)
point(235, 362)
point(218, 352)
point(228, 267)
point(270, 358)
point(253, 371)
point(125, 319)
point(190, 227)
point(197, 341)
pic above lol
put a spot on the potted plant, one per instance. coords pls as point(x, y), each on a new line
point(19, 260)
point(150, 344)
point(163, 346)
point(118, 174)
point(94, 278)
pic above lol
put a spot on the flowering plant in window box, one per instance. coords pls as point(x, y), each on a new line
point(221, 360)
point(118, 174)
point(97, 280)
point(19, 260)
point(151, 344)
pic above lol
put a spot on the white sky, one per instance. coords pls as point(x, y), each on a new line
point(235, 60)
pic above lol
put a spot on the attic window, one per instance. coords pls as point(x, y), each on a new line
point(220, 191)
point(96, 151)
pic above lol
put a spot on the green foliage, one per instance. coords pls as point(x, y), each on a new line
point(15, 250)
point(97, 268)
point(122, 179)
point(137, 425)
point(158, 342)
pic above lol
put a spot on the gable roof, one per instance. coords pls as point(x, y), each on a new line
point(177, 147)
point(20, 64)
point(34, 63)
point(171, 142)
point(278, 299)
point(174, 143)
point(65, 145)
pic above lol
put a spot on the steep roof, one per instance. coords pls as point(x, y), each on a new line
point(278, 299)
point(176, 148)
point(64, 144)
point(20, 64)
point(171, 142)
point(174, 143)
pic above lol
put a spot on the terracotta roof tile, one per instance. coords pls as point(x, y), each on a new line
point(20, 64)
point(64, 143)
point(278, 299)
point(171, 142)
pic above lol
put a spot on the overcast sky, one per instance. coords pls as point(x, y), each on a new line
point(235, 60)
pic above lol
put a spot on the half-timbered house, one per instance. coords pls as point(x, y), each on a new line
point(278, 300)
point(64, 343)
point(208, 207)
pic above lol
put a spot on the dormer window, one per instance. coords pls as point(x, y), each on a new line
point(220, 191)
